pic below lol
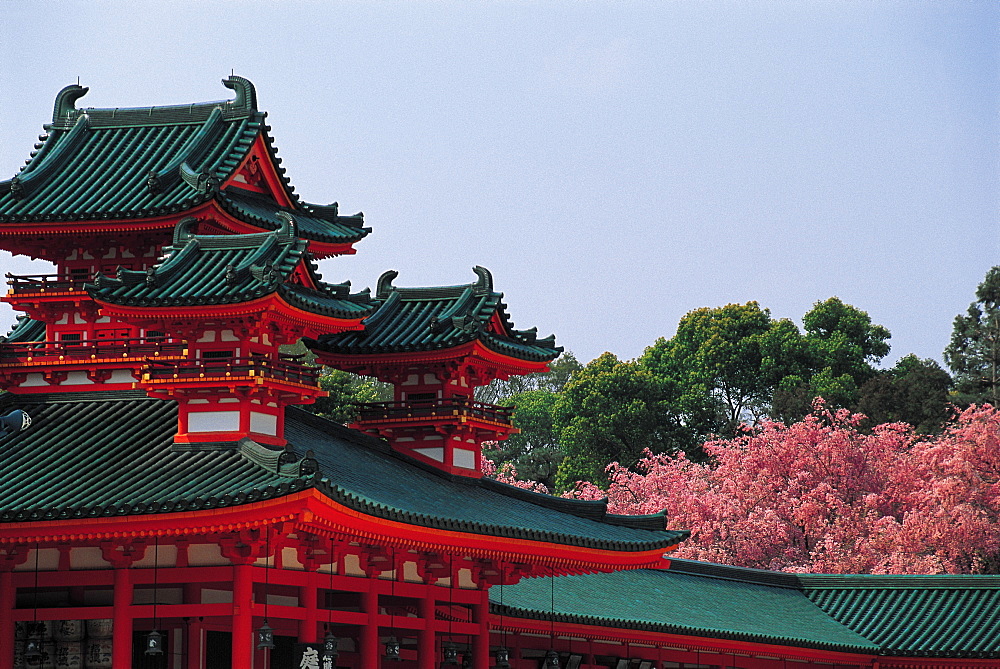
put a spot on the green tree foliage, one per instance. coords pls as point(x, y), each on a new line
point(974, 352)
point(344, 390)
point(842, 339)
point(611, 411)
point(914, 391)
point(535, 452)
point(560, 371)
point(727, 362)
point(839, 350)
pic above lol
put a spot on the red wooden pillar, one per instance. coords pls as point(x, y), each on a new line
point(369, 633)
point(308, 596)
point(242, 616)
point(481, 642)
point(121, 638)
point(192, 641)
point(6, 619)
point(426, 640)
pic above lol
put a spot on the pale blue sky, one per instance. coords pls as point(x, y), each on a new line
point(615, 164)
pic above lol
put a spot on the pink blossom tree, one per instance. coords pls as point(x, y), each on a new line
point(821, 495)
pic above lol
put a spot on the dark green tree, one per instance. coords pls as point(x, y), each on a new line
point(560, 371)
point(727, 362)
point(611, 411)
point(534, 452)
point(840, 348)
point(843, 339)
point(346, 389)
point(914, 391)
point(974, 352)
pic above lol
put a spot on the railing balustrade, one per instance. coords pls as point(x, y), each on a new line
point(435, 408)
point(45, 283)
point(232, 367)
point(89, 348)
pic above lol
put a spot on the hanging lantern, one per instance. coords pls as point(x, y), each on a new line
point(330, 647)
point(33, 651)
point(552, 660)
point(265, 636)
point(502, 658)
point(392, 649)
point(154, 643)
point(450, 652)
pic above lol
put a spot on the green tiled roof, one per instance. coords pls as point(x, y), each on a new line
point(25, 330)
point(913, 616)
point(123, 163)
point(226, 269)
point(427, 319)
point(130, 163)
point(86, 458)
point(321, 223)
point(88, 455)
point(361, 472)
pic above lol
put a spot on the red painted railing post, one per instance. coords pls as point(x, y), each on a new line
point(369, 633)
point(481, 642)
point(121, 636)
point(242, 616)
point(308, 627)
point(6, 619)
point(426, 640)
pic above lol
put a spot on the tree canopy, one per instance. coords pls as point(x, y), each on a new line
point(614, 410)
point(822, 495)
point(974, 351)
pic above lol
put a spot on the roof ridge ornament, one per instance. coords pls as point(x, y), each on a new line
point(289, 228)
point(484, 285)
point(246, 94)
point(184, 231)
point(66, 101)
point(384, 285)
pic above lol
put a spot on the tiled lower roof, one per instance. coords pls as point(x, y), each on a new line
point(262, 211)
point(437, 318)
point(100, 454)
point(25, 330)
point(911, 616)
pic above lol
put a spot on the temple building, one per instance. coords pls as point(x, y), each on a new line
point(166, 501)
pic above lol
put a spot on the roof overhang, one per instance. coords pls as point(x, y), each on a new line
point(311, 511)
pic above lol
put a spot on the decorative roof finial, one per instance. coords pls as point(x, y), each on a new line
point(384, 285)
point(485, 283)
point(66, 101)
point(246, 94)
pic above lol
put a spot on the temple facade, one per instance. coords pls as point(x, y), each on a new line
point(167, 502)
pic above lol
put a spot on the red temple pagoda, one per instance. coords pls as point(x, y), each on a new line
point(165, 502)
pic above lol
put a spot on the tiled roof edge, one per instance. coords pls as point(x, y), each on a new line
point(743, 574)
point(898, 581)
point(622, 623)
point(83, 396)
point(345, 497)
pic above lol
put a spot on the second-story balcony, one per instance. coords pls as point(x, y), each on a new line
point(458, 409)
point(229, 370)
point(85, 350)
point(45, 283)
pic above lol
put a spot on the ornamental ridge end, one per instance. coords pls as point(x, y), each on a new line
point(184, 230)
point(288, 229)
point(246, 94)
point(484, 284)
point(66, 101)
point(384, 285)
